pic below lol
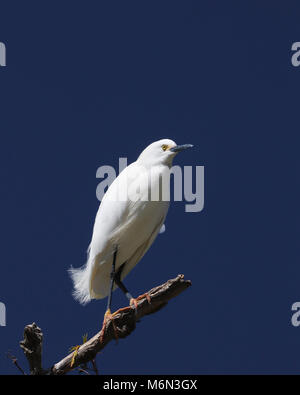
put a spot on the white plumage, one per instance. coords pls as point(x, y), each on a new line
point(131, 225)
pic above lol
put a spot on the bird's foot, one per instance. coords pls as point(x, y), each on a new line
point(107, 317)
point(134, 301)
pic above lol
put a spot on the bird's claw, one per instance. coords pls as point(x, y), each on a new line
point(134, 301)
point(148, 297)
point(108, 316)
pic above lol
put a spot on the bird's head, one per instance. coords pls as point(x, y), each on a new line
point(161, 152)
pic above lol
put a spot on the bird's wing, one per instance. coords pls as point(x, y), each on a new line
point(112, 213)
point(141, 251)
point(116, 216)
point(130, 225)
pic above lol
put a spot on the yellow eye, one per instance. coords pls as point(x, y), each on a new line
point(164, 147)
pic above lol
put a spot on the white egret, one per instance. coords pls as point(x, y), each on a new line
point(126, 225)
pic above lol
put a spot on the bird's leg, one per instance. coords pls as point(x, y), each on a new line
point(120, 284)
point(132, 300)
point(108, 315)
point(112, 279)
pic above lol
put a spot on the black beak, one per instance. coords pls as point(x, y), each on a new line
point(179, 148)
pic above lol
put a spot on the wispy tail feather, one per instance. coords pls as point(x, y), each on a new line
point(81, 283)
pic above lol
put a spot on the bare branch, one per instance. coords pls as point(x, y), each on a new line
point(95, 367)
point(81, 370)
point(32, 347)
point(15, 362)
point(121, 325)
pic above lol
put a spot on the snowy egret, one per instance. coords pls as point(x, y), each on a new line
point(126, 224)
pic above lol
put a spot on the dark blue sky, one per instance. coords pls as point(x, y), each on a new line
point(89, 82)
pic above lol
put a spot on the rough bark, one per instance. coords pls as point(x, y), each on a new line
point(32, 347)
point(119, 326)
